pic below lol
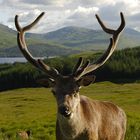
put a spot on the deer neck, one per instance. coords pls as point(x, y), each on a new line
point(73, 126)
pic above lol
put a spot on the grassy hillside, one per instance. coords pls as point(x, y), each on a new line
point(67, 40)
point(39, 50)
point(89, 39)
point(39, 46)
point(34, 109)
point(7, 37)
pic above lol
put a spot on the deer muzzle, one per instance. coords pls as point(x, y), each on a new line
point(64, 111)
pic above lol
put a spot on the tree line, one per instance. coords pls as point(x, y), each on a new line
point(123, 66)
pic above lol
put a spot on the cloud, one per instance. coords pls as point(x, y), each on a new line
point(46, 2)
point(60, 13)
point(40, 2)
point(135, 17)
point(81, 16)
point(133, 21)
point(83, 12)
point(27, 16)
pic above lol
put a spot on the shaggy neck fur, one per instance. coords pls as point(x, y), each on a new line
point(73, 126)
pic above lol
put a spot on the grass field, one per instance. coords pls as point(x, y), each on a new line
point(34, 109)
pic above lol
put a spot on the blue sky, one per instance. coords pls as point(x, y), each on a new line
point(61, 13)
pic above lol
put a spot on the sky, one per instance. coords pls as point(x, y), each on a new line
point(62, 13)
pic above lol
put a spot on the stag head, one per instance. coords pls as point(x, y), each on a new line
point(66, 88)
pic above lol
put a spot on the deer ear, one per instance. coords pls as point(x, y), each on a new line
point(86, 80)
point(46, 82)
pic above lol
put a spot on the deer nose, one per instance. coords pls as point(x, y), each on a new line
point(65, 111)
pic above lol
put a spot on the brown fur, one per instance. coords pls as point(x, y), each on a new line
point(100, 121)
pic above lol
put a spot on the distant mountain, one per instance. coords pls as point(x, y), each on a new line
point(7, 36)
point(73, 34)
point(38, 46)
point(91, 39)
point(65, 41)
point(131, 32)
point(81, 38)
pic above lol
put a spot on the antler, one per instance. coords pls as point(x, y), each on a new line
point(80, 70)
point(51, 72)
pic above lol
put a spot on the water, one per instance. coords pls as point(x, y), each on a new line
point(12, 60)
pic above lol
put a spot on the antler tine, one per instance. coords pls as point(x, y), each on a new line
point(28, 27)
point(81, 70)
point(111, 47)
point(51, 72)
point(107, 30)
point(101, 60)
point(111, 31)
point(77, 66)
point(122, 25)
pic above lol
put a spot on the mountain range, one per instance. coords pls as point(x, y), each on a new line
point(64, 41)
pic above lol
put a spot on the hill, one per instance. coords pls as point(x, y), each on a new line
point(78, 37)
point(37, 46)
point(7, 36)
point(65, 41)
point(83, 38)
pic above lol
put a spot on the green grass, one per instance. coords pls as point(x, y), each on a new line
point(35, 109)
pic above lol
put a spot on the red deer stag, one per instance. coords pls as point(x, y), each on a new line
point(78, 117)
